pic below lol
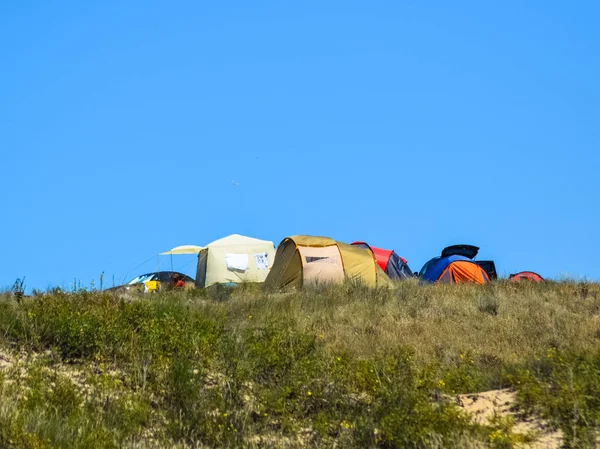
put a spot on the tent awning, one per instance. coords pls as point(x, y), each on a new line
point(184, 249)
point(236, 239)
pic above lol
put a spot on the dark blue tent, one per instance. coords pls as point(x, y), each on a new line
point(433, 269)
point(453, 269)
point(464, 270)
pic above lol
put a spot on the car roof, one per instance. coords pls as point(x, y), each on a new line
point(164, 276)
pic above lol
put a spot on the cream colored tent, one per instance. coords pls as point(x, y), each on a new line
point(234, 259)
point(303, 259)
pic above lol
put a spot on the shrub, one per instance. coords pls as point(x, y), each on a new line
point(488, 304)
point(564, 387)
point(343, 366)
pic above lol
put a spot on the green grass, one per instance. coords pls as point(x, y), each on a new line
point(343, 366)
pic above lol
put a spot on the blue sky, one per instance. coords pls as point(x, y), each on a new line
point(410, 126)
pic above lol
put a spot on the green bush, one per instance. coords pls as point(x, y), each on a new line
point(564, 387)
point(344, 366)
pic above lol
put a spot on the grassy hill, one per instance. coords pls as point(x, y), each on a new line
point(342, 367)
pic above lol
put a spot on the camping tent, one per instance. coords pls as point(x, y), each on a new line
point(391, 263)
point(455, 269)
point(303, 259)
point(463, 253)
point(234, 259)
point(528, 275)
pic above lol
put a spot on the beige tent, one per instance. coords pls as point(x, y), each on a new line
point(303, 259)
point(234, 259)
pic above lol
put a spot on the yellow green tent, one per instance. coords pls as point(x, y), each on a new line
point(303, 259)
point(234, 259)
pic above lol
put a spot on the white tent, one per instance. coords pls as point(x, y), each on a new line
point(234, 259)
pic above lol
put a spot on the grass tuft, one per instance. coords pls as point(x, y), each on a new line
point(343, 366)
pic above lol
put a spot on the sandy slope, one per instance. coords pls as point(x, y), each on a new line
point(484, 406)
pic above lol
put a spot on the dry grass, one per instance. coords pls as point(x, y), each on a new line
point(511, 322)
point(343, 366)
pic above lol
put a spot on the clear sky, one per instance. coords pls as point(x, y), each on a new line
point(410, 125)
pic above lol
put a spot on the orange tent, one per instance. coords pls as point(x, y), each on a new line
point(461, 271)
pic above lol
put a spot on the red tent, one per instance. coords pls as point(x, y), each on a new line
point(392, 264)
point(527, 275)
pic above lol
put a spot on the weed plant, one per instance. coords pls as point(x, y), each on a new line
point(345, 366)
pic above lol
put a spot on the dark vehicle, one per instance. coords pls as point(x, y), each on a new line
point(468, 251)
point(154, 282)
point(489, 267)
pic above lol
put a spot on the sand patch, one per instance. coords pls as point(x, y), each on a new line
point(6, 360)
point(486, 406)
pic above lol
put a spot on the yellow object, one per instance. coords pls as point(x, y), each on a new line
point(303, 260)
point(151, 286)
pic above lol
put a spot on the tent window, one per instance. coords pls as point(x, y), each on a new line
point(237, 262)
point(312, 259)
point(446, 276)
